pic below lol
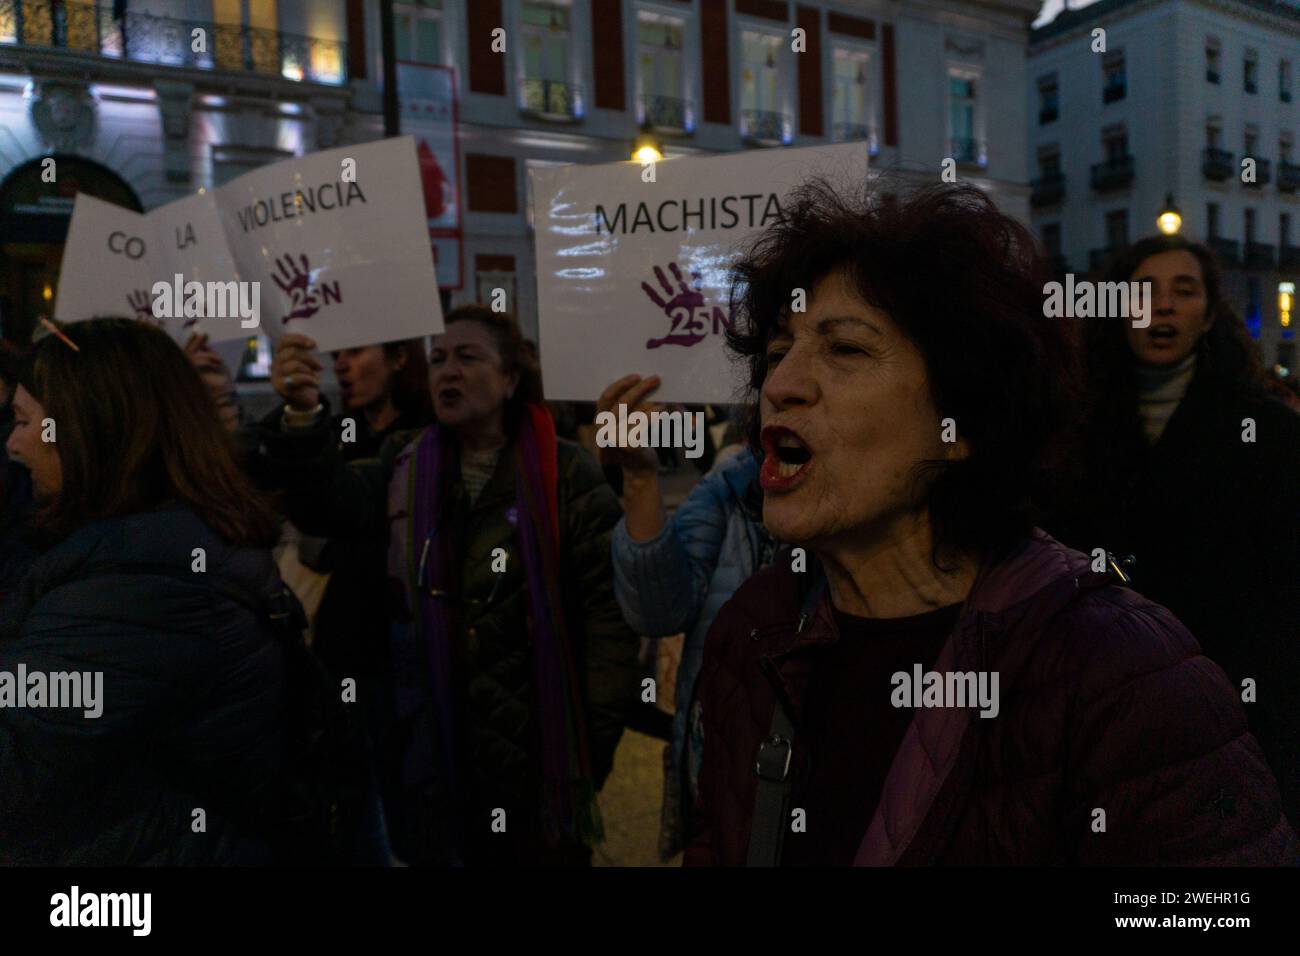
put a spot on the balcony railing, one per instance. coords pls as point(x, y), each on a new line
point(1047, 190)
point(1228, 250)
point(170, 41)
point(1288, 176)
point(668, 113)
point(551, 99)
point(762, 126)
point(854, 133)
point(1259, 255)
point(967, 151)
point(1263, 174)
point(1112, 174)
point(1216, 164)
point(1288, 257)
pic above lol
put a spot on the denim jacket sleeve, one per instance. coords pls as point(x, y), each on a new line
point(662, 583)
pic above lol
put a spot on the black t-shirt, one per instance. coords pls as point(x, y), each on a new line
point(850, 730)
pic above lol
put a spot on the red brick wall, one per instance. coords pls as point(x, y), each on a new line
point(607, 53)
point(810, 72)
point(716, 72)
point(487, 70)
point(491, 183)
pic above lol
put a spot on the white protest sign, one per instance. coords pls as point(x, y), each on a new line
point(634, 275)
point(339, 242)
point(110, 260)
point(200, 291)
point(119, 262)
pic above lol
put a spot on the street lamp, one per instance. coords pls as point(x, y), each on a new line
point(1170, 219)
point(646, 148)
point(1285, 302)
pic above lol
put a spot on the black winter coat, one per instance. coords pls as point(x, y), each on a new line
point(493, 666)
point(1214, 524)
point(192, 692)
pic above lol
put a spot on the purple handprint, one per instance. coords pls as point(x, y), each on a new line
point(140, 305)
point(682, 307)
point(295, 282)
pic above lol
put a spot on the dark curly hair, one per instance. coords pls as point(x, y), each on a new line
point(964, 282)
point(1225, 352)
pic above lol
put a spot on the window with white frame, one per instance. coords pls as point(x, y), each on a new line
point(850, 98)
point(1048, 99)
point(547, 44)
point(417, 30)
point(963, 145)
point(1213, 59)
point(760, 87)
point(660, 75)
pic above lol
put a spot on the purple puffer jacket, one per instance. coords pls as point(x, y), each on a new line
point(1106, 703)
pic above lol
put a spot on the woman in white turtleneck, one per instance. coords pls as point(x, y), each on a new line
point(1187, 464)
point(1164, 352)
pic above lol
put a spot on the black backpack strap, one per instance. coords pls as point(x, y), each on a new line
point(772, 795)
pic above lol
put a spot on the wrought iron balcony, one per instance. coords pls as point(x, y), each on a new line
point(1048, 189)
point(1263, 174)
point(1228, 250)
point(88, 28)
point(969, 152)
point(762, 126)
point(1216, 164)
point(1112, 174)
point(1259, 255)
point(1099, 259)
point(1288, 257)
point(671, 114)
point(550, 99)
point(1288, 176)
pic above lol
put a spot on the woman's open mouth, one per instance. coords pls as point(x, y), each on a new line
point(1162, 336)
point(787, 459)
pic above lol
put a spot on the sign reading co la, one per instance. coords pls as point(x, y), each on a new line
point(634, 272)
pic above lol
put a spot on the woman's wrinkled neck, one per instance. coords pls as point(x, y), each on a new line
point(893, 574)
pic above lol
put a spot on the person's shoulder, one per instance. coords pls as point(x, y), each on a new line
point(1112, 636)
point(771, 595)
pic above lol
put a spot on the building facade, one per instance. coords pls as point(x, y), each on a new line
point(579, 81)
point(145, 101)
point(1185, 95)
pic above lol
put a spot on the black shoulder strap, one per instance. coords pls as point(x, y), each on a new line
point(767, 834)
point(772, 764)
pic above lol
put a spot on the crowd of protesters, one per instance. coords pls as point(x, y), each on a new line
point(406, 631)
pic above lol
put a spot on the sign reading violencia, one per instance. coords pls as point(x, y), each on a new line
point(634, 270)
point(338, 241)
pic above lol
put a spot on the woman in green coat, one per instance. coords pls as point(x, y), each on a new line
point(511, 669)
